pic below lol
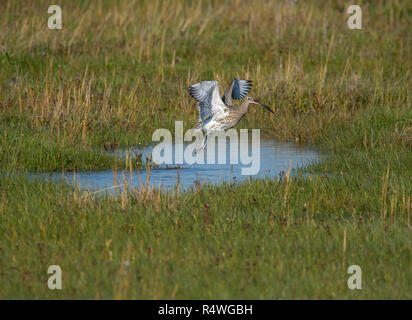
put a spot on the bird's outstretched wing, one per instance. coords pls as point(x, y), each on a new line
point(237, 90)
point(207, 95)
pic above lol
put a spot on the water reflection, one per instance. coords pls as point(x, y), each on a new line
point(275, 157)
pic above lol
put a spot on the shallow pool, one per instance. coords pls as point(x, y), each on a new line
point(275, 157)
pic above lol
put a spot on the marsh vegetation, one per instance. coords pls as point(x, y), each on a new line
point(118, 70)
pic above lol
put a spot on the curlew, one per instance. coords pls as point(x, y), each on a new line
point(219, 113)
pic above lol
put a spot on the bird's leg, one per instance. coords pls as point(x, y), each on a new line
point(203, 144)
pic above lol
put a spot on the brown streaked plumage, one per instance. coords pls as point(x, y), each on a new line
point(216, 113)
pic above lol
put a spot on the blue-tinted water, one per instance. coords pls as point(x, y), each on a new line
point(275, 157)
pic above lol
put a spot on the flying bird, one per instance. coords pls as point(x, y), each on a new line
point(220, 113)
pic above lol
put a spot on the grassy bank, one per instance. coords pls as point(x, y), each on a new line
point(117, 71)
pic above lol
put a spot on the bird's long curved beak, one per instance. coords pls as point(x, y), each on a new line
point(264, 106)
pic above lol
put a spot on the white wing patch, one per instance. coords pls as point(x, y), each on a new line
point(209, 103)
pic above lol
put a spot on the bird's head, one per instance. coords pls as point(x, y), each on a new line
point(255, 101)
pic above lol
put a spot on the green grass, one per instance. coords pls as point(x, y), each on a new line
point(117, 71)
